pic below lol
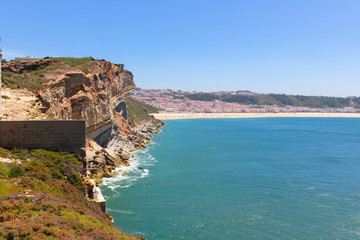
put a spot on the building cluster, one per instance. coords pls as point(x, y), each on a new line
point(176, 101)
point(24, 58)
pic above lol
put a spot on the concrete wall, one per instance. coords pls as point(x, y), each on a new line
point(62, 135)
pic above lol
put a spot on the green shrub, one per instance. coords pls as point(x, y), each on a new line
point(4, 153)
point(73, 62)
point(19, 153)
point(137, 111)
point(4, 170)
point(5, 97)
point(15, 172)
point(59, 165)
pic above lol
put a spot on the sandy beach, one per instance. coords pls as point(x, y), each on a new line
point(168, 116)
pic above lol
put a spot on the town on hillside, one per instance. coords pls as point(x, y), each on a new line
point(190, 101)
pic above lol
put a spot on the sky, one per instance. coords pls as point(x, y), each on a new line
point(307, 47)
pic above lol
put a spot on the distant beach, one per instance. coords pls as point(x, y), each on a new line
point(169, 115)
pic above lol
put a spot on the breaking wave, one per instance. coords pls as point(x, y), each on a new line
point(138, 169)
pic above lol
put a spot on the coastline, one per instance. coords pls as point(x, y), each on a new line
point(173, 116)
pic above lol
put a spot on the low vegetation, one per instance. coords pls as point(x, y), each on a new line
point(35, 77)
point(43, 198)
point(138, 112)
point(73, 62)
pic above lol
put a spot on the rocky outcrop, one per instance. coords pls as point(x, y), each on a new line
point(103, 160)
point(98, 96)
point(21, 66)
point(93, 96)
point(97, 91)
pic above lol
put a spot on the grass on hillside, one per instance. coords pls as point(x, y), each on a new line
point(73, 62)
point(30, 79)
point(84, 64)
point(44, 199)
point(34, 79)
point(138, 112)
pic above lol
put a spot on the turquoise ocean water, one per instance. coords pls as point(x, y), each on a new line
point(255, 178)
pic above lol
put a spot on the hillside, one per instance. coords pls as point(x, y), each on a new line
point(280, 100)
point(45, 196)
point(138, 112)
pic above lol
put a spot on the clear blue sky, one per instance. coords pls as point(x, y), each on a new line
point(309, 47)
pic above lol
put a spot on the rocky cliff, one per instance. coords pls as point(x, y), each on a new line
point(94, 90)
point(97, 91)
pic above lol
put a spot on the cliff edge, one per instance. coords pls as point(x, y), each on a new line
point(95, 90)
point(84, 88)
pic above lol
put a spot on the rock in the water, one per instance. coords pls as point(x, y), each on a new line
point(106, 174)
point(125, 155)
point(126, 163)
point(140, 167)
point(124, 173)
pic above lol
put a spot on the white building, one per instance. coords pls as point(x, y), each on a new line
point(349, 110)
point(24, 58)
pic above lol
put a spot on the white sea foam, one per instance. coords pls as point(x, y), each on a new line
point(119, 211)
point(355, 232)
point(144, 159)
point(145, 173)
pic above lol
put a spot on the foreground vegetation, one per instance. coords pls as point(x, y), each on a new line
point(43, 198)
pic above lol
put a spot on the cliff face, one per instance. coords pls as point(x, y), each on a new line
point(91, 96)
point(97, 91)
point(94, 90)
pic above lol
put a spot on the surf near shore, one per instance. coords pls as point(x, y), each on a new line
point(189, 115)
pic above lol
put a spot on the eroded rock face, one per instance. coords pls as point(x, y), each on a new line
point(98, 97)
point(92, 96)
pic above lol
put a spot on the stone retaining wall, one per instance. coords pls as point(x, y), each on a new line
point(64, 135)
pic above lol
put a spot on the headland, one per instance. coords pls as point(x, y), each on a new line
point(65, 186)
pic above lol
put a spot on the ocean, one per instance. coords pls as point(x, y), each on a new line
point(249, 178)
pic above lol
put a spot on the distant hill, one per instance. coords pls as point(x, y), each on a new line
point(280, 100)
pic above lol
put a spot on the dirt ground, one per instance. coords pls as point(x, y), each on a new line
point(20, 104)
